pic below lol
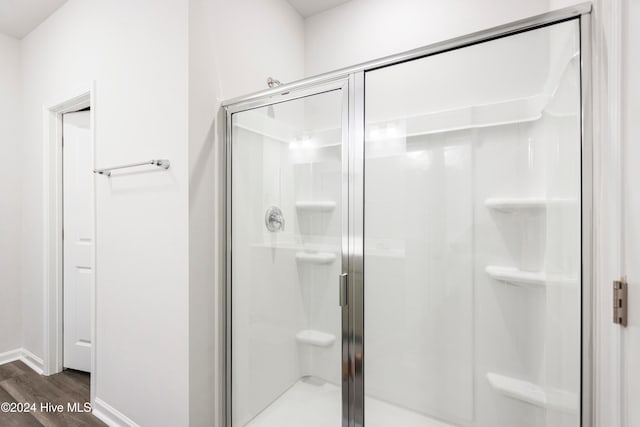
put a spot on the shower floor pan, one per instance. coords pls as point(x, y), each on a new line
point(315, 403)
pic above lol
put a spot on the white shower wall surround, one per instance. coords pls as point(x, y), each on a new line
point(472, 248)
point(427, 182)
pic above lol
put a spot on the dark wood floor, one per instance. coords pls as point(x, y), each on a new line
point(19, 383)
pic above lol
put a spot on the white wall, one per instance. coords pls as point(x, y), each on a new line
point(137, 54)
point(10, 186)
point(252, 40)
point(203, 218)
point(233, 48)
point(361, 30)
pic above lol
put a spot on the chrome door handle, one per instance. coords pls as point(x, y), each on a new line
point(343, 289)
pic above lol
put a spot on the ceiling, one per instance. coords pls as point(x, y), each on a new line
point(19, 17)
point(306, 8)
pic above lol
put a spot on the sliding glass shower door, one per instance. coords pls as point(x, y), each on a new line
point(408, 241)
point(286, 198)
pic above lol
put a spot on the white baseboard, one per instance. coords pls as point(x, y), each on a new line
point(111, 416)
point(10, 356)
point(29, 359)
point(32, 361)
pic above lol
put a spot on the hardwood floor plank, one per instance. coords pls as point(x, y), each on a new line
point(70, 390)
point(79, 377)
point(20, 419)
point(13, 369)
point(60, 389)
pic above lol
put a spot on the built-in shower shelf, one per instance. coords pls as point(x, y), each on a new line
point(316, 257)
point(505, 204)
point(533, 394)
point(317, 338)
point(530, 279)
point(516, 277)
point(316, 206)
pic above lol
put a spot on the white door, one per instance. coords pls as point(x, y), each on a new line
point(78, 240)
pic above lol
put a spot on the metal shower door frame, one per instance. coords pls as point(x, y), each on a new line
point(351, 80)
point(345, 85)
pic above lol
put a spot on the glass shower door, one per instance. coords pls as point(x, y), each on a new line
point(285, 320)
point(472, 245)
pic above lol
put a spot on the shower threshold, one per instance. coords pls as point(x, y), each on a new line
point(311, 402)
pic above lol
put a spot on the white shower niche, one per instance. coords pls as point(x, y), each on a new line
point(427, 270)
point(523, 222)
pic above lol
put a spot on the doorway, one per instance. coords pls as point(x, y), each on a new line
point(78, 239)
point(70, 249)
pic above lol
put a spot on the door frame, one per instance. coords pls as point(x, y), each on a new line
point(592, 300)
point(53, 221)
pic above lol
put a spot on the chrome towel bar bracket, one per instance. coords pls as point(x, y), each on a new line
point(162, 163)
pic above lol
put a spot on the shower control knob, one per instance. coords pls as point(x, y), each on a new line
point(273, 219)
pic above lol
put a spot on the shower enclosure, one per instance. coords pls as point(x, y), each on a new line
point(408, 240)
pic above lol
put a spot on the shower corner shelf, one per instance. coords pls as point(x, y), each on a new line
point(316, 257)
point(316, 206)
point(509, 204)
point(317, 338)
point(504, 204)
point(533, 394)
point(516, 277)
point(518, 389)
point(529, 279)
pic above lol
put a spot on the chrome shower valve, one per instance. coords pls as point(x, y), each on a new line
point(274, 219)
